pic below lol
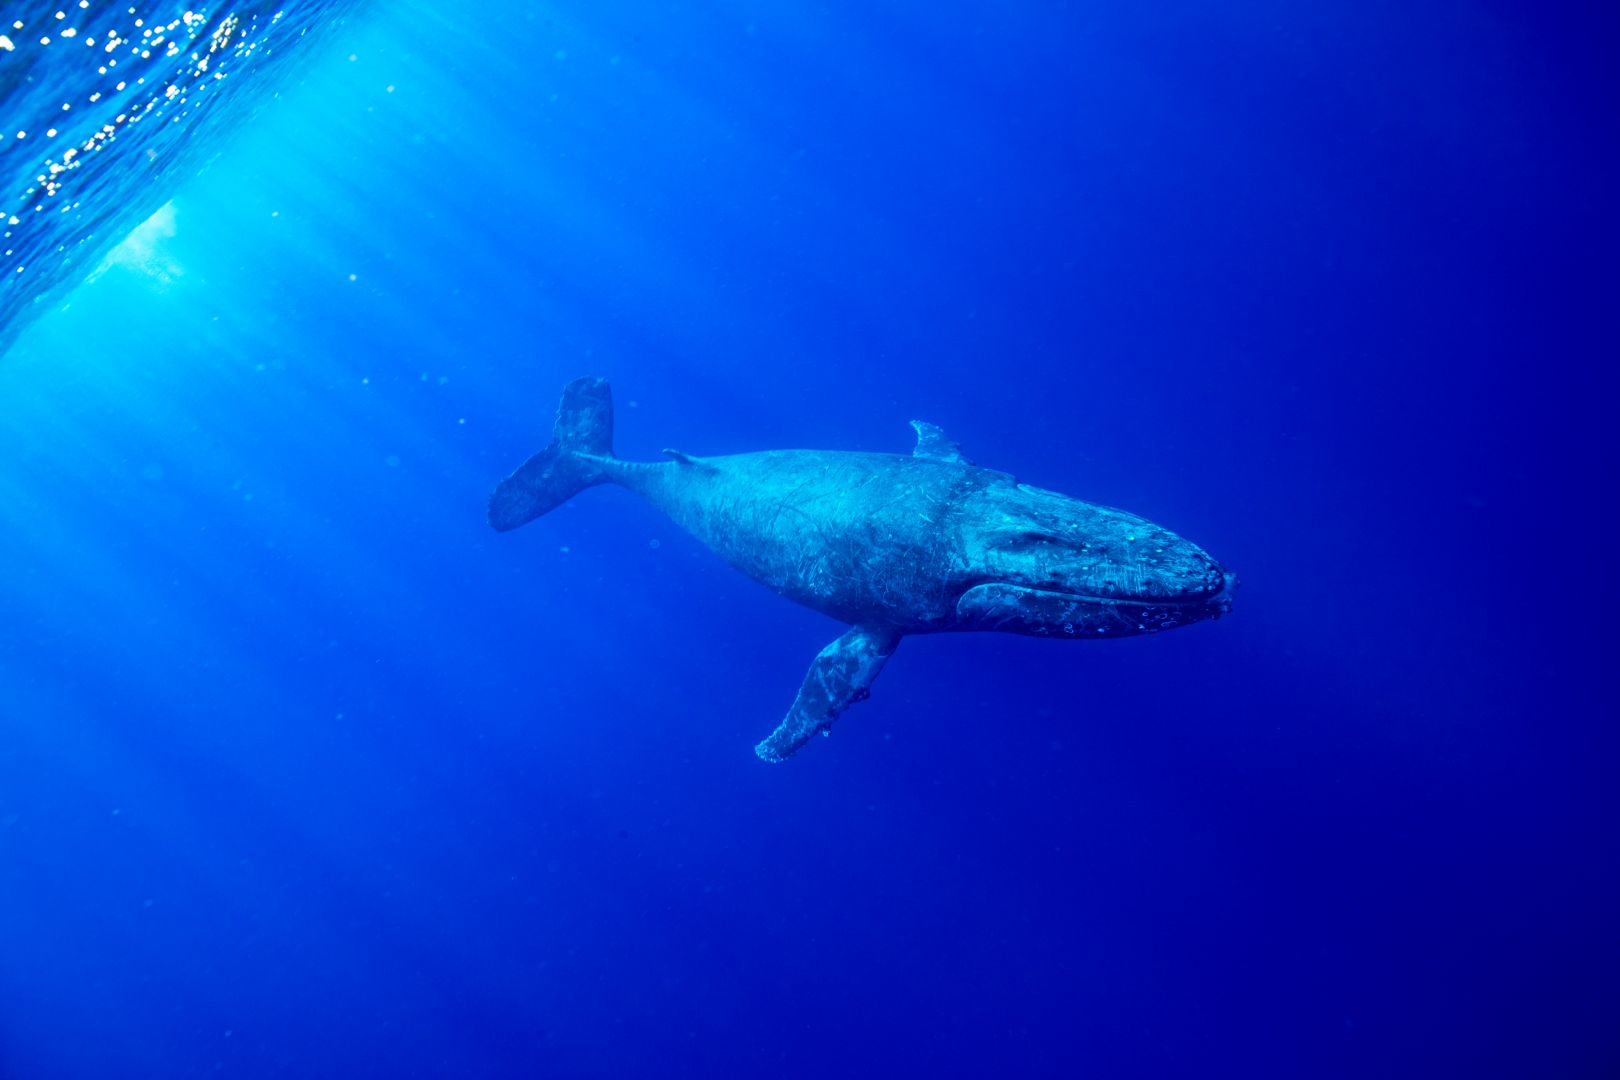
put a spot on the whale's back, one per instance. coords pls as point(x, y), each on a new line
point(859, 536)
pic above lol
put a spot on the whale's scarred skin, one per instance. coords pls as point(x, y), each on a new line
point(891, 544)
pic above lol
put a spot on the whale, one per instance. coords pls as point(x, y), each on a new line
point(890, 544)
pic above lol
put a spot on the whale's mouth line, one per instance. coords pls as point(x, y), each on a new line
point(1142, 601)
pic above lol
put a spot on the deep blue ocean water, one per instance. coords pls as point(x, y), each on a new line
point(305, 772)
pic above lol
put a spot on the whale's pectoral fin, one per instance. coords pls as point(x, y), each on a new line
point(934, 445)
point(839, 677)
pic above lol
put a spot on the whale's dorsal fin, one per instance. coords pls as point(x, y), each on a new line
point(934, 445)
point(839, 676)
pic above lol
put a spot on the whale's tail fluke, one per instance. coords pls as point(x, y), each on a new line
point(580, 456)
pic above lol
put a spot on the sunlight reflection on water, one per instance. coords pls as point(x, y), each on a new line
point(105, 109)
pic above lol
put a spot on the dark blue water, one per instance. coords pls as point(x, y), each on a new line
point(304, 771)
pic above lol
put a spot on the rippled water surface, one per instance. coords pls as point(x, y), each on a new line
point(105, 107)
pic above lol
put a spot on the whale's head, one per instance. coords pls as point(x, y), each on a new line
point(1044, 564)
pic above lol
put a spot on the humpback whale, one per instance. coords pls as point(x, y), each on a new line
point(890, 544)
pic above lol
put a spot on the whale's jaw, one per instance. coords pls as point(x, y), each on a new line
point(1020, 609)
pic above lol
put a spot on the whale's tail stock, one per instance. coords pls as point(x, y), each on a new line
point(579, 456)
